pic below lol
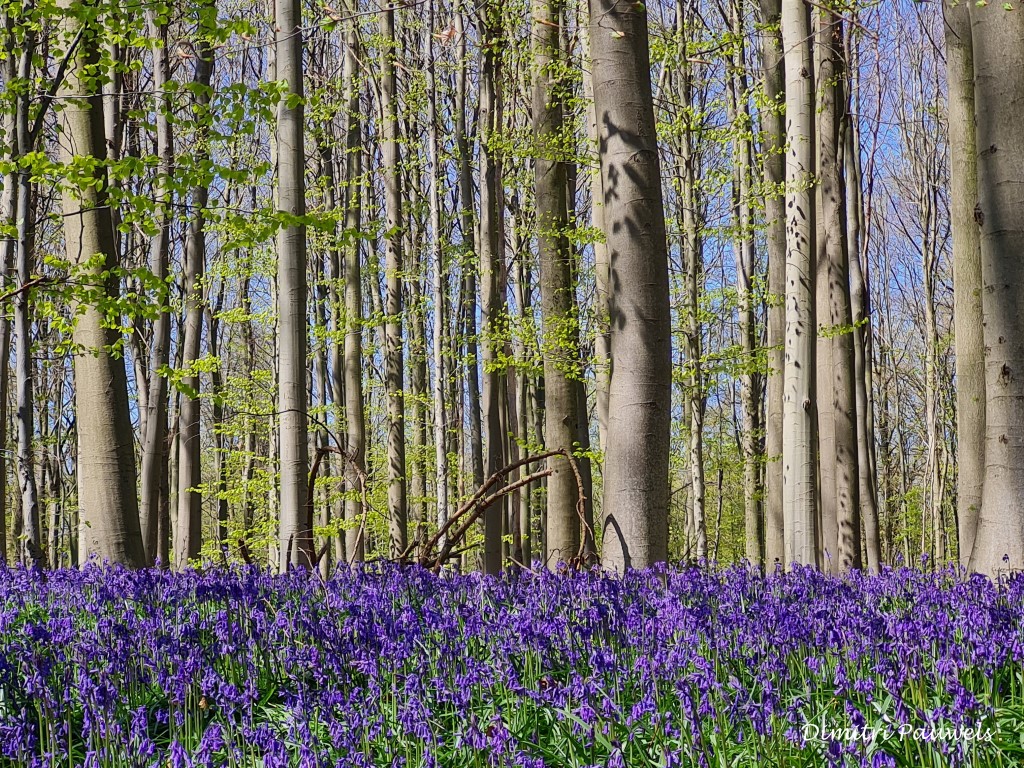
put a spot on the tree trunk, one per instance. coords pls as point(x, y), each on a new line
point(772, 126)
point(492, 289)
point(799, 448)
point(559, 348)
point(690, 214)
point(8, 149)
point(30, 547)
point(470, 264)
point(743, 246)
point(842, 496)
point(108, 506)
point(188, 528)
point(154, 440)
point(967, 307)
point(635, 509)
point(601, 334)
point(438, 283)
point(394, 373)
point(354, 417)
point(998, 89)
point(295, 535)
point(859, 298)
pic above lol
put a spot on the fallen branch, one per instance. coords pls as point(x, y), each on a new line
point(445, 539)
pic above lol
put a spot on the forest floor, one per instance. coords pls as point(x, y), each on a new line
point(389, 666)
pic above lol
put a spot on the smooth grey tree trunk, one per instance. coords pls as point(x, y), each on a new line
point(837, 385)
point(354, 416)
point(438, 284)
point(188, 527)
point(743, 247)
point(8, 148)
point(295, 529)
point(799, 441)
point(773, 128)
point(492, 289)
point(601, 338)
point(154, 438)
point(996, 36)
point(691, 208)
point(108, 505)
point(967, 282)
point(635, 509)
point(394, 371)
point(560, 342)
point(30, 546)
point(859, 298)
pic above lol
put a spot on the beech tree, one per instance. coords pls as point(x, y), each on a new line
point(635, 505)
point(295, 528)
point(799, 438)
point(109, 509)
point(999, 139)
point(967, 275)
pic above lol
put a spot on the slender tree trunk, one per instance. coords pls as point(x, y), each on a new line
point(8, 149)
point(354, 417)
point(468, 304)
point(295, 536)
point(492, 291)
point(154, 445)
point(219, 437)
point(859, 299)
point(750, 379)
point(394, 372)
point(30, 547)
point(188, 528)
point(559, 348)
point(772, 126)
point(5, 357)
point(967, 282)
point(799, 448)
point(438, 284)
point(601, 335)
point(635, 506)
point(691, 222)
point(108, 506)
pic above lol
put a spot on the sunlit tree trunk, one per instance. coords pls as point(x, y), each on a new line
point(188, 528)
point(743, 246)
point(859, 299)
point(438, 283)
point(154, 438)
point(772, 126)
point(108, 505)
point(841, 497)
point(601, 337)
point(394, 373)
point(635, 508)
point(30, 546)
point(998, 91)
point(799, 448)
point(967, 281)
point(491, 250)
point(8, 148)
point(559, 347)
point(354, 416)
point(690, 215)
point(295, 535)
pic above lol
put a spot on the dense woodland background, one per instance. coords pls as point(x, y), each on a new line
point(400, 248)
